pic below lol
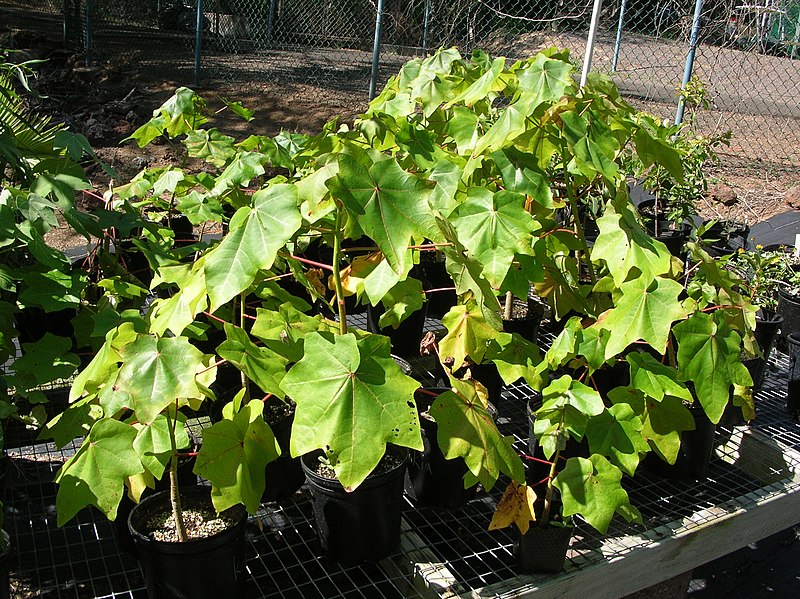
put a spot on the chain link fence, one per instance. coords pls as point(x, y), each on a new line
point(323, 52)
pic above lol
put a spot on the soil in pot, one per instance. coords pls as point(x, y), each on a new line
point(186, 479)
point(431, 480)
point(205, 567)
point(284, 475)
point(525, 318)
point(542, 549)
point(363, 525)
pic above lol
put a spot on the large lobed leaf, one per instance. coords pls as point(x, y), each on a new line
point(352, 399)
point(256, 234)
point(466, 430)
point(234, 454)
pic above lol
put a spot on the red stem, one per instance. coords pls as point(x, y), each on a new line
point(533, 459)
point(312, 263)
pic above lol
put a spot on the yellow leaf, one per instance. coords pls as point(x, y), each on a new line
point(353, 275)
point(515, 506)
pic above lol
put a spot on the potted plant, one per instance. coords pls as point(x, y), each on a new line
point(488, 163)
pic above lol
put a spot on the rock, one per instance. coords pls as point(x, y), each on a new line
point(139, 162)
point(793, 197)
point(723, 194)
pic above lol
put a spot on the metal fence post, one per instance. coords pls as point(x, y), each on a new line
point(376, 50)
point(87, 40)
point(425, 28)
point(687, 71)
point(618, 41)
point(587, 59)
point(271, 20)
point(198, 42)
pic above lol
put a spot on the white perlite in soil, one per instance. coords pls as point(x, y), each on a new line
point(199, 523)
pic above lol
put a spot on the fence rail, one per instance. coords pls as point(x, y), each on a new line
point(748, 54)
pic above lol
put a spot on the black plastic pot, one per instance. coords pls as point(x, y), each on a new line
point(186, 479)
point(694, 455)
point(768, 325)
point(360, 526)
point(431, 480)
point(793, 383)
point(5, 567)
point(408, 334)
point(527, 326)
point(542, 549)
point(198, 569)
point(284, 475)
point(435, 277)
point(788, 309)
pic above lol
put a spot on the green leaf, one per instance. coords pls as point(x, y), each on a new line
point(95, 474)
point(238, 109)
point(53, 290)
point(468, 334)
point(624, 246)
point(260, 364)
point(60, 177)
point(179, 311)
point(401, 301)
point(45, 361)
point(546, 79)
point(466, 430)
point(284, 330)
point(168, 181)
point(592, 488)
point(157, 371)
point(244, 167)
point(709, 355)
point(153, 444)
point(662, 421)
point(652, 150)
point(234, 454)
point(616, 434)
point(73, 422)
point(655, 379)
point(516, 358)
point(389, 204)
point(494, 227)
point(567, 405)
point(255, 236)
point(210, 145)
point(645, 311)
point(352, 399)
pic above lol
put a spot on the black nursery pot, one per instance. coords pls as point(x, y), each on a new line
point(431, 480)
point(694, 455)
point(768, 325)
point(407, 336)
point(363, 525)
point(284, 475)
point(5, 567)
point(788, 309)
point(528, 325)
point(793, 383)
point(197, 569)
point(542, 549)
point(186, 479)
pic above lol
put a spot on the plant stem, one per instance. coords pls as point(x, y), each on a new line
point(242, 318)
point(573, 204)
point(174, 492)
point(337, 276)
point(548, 497)
point(509, 306)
